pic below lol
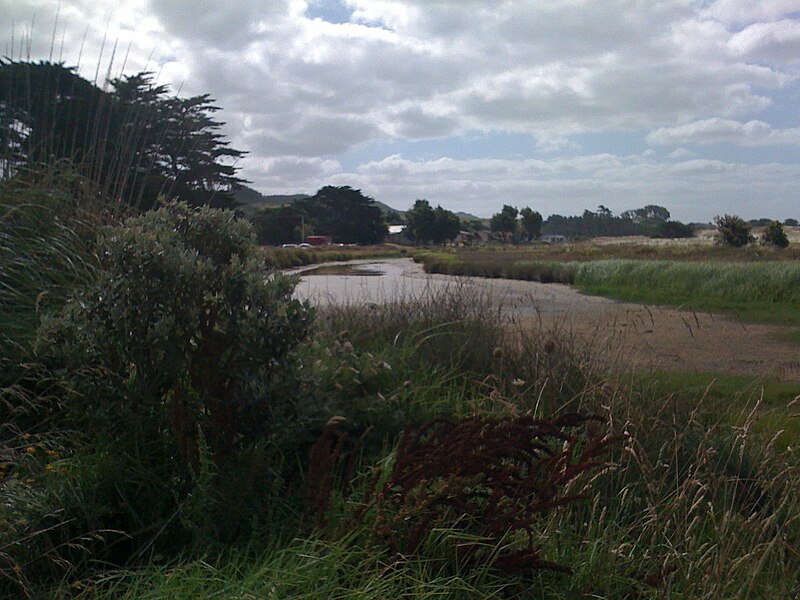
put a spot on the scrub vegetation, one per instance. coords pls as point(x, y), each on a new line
point(174, 424)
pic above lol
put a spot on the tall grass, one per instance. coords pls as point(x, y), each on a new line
point(48, 226)
point(286, 258)
point(693, 504)
point(756, 290)
point(743, 282)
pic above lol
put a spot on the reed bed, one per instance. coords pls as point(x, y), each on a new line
point(754, 290)
point(287, 258)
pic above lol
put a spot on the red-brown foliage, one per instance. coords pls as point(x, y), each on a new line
point(488, 476)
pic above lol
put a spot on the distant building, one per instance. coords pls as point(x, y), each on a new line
point(483, 235)
point(396, 229)
point(553, 239)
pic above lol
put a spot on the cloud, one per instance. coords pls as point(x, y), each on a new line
point(415, 70)
point(778, 41)
point(681, 154)
point(747, 11)
point(305, 96)
point(692, 189)
point(724, 131)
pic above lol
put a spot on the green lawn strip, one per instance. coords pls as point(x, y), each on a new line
point(765, 292)
point(791, 336)
point(753, 311)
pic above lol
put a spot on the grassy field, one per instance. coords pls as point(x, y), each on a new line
point(418, 449)
point(754, 284)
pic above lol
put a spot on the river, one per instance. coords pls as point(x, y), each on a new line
point(630, 335)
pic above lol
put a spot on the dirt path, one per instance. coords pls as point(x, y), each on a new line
point(626, 335)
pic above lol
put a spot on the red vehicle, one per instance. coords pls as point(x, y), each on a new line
point(319, 240)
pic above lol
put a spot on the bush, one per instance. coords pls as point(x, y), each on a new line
point(734, 231)
point(672, 229)
point(774, 235)
point(175, 355)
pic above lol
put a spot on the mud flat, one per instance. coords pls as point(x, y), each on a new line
point(626, 335)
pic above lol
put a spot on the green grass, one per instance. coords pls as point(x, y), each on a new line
point(754, 291)
point(792, 336)
point(48, 226)
point(733, 398)
point(764, 291)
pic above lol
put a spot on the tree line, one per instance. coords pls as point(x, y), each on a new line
point(131, 137)
point(344, 214)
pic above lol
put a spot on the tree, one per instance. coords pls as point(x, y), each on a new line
point(426, 224)
point(733, 230)
point(446, 225)
point(278, 225)
point(421, 222)
point(505, 222)
point(531, 222)
point(604, 212)
point(133, 140)
point(48, 110)
point(774, 235)
point(393, 218)
point(651, 213)
point(791, 223)
point(345, 214)
point(186, 154)
point(672, 229)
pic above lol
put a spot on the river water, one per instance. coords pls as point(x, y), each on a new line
point(626, 334)
point(381, 281)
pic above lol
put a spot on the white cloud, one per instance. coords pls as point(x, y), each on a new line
point(299, 92)
point(724, 131)
point(691, 189)
point(748, 11)
point(417, 70)
point(778, 41)
point(681, 154)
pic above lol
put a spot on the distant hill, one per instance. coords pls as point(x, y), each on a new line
point(247, 195)
point(251, 200)
point(469, 217)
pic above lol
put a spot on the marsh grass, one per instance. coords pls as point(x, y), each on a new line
point(764, 290)
point(697, 502)
point(692, 505)
point(287, 258)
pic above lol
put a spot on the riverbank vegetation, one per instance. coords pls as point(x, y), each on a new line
point(756, 284)
point(287, 258)
point(175, 425)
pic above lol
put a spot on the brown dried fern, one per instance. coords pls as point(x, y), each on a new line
point(489, 476)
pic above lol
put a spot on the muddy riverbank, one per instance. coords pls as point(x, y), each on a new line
point(626, 335)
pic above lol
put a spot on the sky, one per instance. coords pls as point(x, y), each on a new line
point(560, 105)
